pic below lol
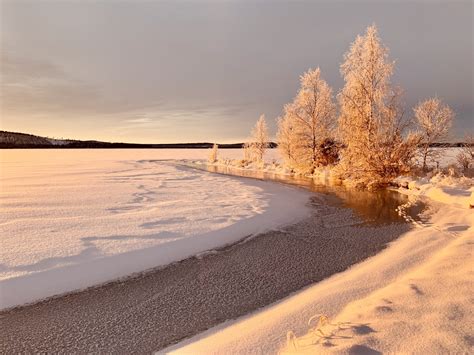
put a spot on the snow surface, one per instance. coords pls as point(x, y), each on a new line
point(75, 218)
point(414, 297)
point(427, 310)
point(456, 191)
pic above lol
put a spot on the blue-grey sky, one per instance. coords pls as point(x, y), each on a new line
point(177, 71)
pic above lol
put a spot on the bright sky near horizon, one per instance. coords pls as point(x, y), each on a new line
point(181, 71)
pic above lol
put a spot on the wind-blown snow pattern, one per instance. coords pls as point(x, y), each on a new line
point(73, 219)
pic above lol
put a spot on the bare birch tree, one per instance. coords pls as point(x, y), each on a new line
point(254, 150)
point(371, 122)
point(286, 138)
point(434, 121)
point(311, 117)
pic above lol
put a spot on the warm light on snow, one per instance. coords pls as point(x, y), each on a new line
point(342, 224)
point(412, 297)
point(74, 218)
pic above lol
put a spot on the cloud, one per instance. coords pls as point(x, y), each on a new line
point(139, 120)
point(34, 87)
point(31, 86)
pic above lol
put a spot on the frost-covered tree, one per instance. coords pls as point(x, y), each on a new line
point(371, 123)
point(309, 122)
point(247, 151)
point(254, 150)
point(287, 139)
point(434, 121)
point(213, 154)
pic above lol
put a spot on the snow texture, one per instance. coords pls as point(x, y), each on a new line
point(455, 191)
point(414, 297)
point(76, 218)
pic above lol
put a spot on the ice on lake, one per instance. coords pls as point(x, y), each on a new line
point(75, 218)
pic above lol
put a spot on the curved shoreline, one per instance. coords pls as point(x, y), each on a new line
point(371, 303)
point(160, 307)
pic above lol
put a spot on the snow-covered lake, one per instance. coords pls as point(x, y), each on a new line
point(75, 218)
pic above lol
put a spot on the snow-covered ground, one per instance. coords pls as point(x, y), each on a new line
point(414, 297)
point(75, 218)
point(456, 191)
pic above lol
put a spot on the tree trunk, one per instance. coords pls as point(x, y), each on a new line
point(425, 155)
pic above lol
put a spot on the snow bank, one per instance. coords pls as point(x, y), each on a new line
point(456, 191)
point(428, 310)
point(412, 297)
point(73, 219)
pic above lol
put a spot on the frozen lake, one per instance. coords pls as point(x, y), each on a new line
point(75, 218)
point(344, 226)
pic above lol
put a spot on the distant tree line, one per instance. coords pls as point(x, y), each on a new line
point(28, 141)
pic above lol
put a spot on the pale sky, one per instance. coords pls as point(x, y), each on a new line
point(182, 71)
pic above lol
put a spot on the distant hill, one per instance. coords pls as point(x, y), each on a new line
point(15, 140)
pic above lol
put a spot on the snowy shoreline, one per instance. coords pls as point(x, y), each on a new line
point(165, 305)
point(374, 312)
point(266, 329)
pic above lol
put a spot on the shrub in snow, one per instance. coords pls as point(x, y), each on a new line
point(464, 161)
point(434, 120)
point(446, 179)
point(465, 157)
point(329, 152)
point(213, 154)
point(307, 126)
point(371, 124)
